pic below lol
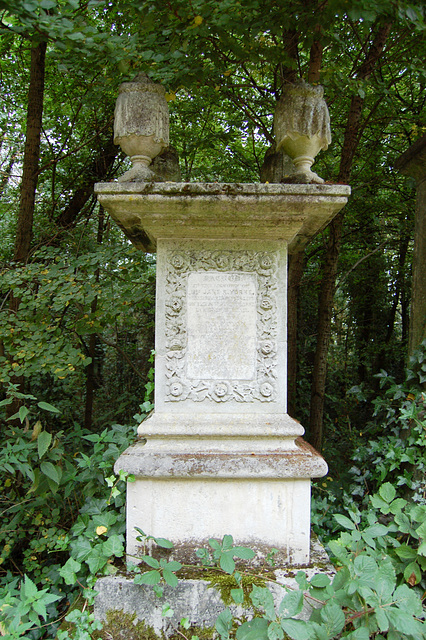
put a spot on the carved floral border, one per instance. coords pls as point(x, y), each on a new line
point(179, 265)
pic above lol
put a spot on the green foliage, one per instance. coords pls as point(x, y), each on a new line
point(398, 454)
point(44, 492)
point(22, 608)
point(363, 600)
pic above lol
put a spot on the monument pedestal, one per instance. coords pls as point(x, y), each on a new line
point(220, 455)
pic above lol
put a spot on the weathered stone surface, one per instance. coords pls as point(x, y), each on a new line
point(221, 455)
point(302, 128)
point(141, 125)
point(221, 332)
point(276, 167)
point(291, 213)
point(196, 599)
point(165, 166)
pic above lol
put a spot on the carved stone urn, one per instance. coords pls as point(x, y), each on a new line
point(302, 128)
point(141, 125)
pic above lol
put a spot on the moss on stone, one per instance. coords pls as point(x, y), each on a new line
point(203, 633)
point(120, 625)
point(224, 583)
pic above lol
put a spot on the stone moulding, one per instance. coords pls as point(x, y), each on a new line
point(300, 461)
point(172, 425)
point(293, 213)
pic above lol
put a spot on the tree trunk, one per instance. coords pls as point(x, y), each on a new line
point(24, 229)
point(100, 169)
point(91, 381)
point(413, 163)
point(350, 144)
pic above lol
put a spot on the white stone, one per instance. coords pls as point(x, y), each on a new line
point(141, 125)
point(204, 326)
point(302, 128)
point(291, 213)
point(219, 455)
point(256, 512)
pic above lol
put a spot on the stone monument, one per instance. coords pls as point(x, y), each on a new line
point(219, 454)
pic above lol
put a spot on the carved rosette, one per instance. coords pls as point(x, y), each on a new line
point(263, 265)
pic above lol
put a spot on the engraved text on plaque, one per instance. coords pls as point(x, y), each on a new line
point(221, 325)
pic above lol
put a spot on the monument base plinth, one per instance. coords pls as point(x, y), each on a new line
point(122, 605)
point(249, 476)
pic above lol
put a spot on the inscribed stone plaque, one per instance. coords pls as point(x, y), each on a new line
point(221, 325)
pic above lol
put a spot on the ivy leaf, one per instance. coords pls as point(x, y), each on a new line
point(113, 546)
point(69, 571)
point(43, 443)
point(81, 549)
point(97, 559)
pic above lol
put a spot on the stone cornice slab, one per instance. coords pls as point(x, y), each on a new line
point(294, 213)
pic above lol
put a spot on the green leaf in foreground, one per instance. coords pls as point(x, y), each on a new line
point(256, 629)
point(43, 443)
point(48, 407)
point(51, 471)
point(150, 577)
point(69, 571)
